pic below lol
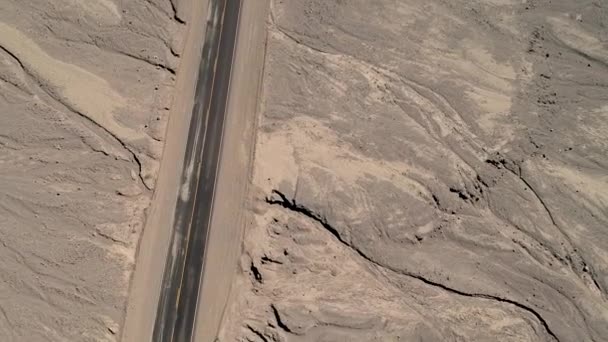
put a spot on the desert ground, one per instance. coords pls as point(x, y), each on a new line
point(428, 171)
point(85, 96)
point(423, 170)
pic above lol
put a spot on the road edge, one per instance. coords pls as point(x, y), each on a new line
point(146, 280)
point(224, 246)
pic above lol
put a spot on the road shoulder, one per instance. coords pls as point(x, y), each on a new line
point(153, 247)
point(225, 236)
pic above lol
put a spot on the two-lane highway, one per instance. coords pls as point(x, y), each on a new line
point(178, 303)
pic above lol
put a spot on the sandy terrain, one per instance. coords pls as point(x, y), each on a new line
point(429, 171)
point(85, 95)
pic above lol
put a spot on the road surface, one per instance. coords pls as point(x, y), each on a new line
point(177, 307)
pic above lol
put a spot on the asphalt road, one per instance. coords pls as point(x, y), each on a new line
point(184, 269)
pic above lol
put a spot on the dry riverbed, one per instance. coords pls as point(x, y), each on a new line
point(85, 92)
point(429, 171)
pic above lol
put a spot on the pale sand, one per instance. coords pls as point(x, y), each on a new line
point(85, 94)
point(428, 171)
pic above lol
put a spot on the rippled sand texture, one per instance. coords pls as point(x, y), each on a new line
point(85, 89)
point(429, 171)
